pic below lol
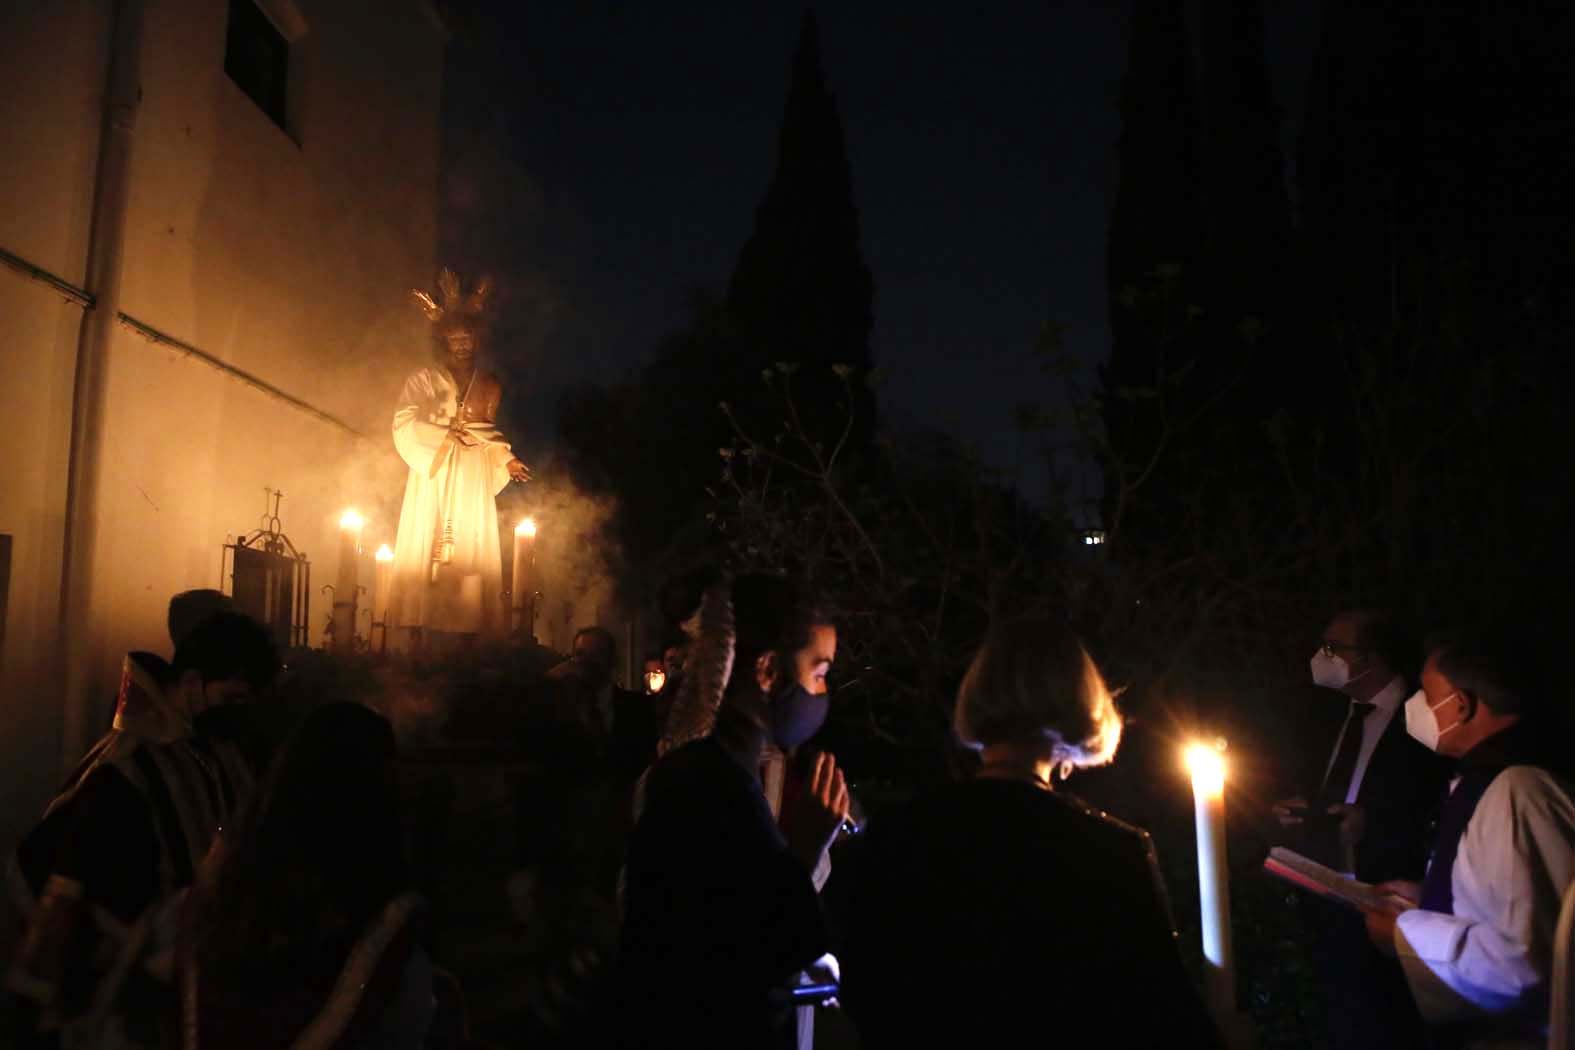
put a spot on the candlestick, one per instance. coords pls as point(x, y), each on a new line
point(1207, 767)
point(524, 553)
point(380, 589)
point(350, 525)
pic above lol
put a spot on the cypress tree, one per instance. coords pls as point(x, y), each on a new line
point(801, 291)
point(1154, 228)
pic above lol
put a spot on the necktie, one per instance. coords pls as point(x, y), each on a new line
point(1338, 778)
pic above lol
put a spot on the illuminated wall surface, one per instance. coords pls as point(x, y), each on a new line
point(286, 252)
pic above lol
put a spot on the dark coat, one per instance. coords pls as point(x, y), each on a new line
point(1399, 795)
point(992, 909)
point(718, 913)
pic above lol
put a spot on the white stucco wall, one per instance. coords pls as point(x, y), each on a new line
point(289, 256)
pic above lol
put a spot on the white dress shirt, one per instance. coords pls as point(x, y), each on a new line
point(1495, 953)
point(1385, 704)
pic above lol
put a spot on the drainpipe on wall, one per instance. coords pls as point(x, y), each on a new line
point(80, 638)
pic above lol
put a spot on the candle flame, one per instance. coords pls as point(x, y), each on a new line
point(526, 528)
point(384, 553)
point(1207, 766)
point(351, 520)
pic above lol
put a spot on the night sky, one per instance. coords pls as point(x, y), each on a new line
point(605, 160)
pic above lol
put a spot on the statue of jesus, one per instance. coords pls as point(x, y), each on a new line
point(447, 573)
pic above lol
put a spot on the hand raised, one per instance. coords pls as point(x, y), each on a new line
point(819, 812)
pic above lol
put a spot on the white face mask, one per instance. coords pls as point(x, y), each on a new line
point(1329, 671)
point(1421, 719)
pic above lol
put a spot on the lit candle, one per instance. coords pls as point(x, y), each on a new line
point(350, 524)
point(385, 575)
point(1207, 766)
point(524, 547)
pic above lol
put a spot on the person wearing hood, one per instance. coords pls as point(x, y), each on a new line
point(720, 910)
point(124, 835)
point(149, 705)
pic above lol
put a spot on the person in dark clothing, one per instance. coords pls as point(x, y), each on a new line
point(720, 909)
point(303, 927)
point(188, 609)
point(1377, 791)
point(124, 835)
point(606, 738)
point(621, 726)
point(147, 706)
point(1000, 895)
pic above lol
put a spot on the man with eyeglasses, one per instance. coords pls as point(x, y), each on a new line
point(1378, 789)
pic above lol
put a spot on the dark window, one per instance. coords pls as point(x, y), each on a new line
point(257, 58)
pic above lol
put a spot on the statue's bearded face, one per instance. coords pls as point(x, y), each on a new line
point(461, 344)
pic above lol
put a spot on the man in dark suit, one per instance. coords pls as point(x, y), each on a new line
point(605, 738)
point(1375, 794)
point(622, 725)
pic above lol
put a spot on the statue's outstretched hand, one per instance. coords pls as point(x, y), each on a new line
point(518, 471)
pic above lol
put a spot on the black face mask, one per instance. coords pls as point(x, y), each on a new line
point(795, 715)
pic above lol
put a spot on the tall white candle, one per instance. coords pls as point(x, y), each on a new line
point(380, 589)
point(350, 525)
point(1207, 767)
point(524, 549)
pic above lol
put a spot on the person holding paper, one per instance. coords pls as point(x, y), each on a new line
point(1375, 793)
point(1378, 784)
point(1477, 949)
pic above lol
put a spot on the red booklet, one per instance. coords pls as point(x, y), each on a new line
point(1316, 878)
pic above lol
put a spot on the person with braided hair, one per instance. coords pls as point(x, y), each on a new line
point(721, 910)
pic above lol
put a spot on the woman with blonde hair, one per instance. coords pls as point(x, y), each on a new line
point(1003, 905)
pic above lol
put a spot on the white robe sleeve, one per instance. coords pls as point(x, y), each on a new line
point(499, 452)
point(1516, 858)
point(416, 439)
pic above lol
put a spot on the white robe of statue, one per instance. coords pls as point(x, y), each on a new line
point(466, 594)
